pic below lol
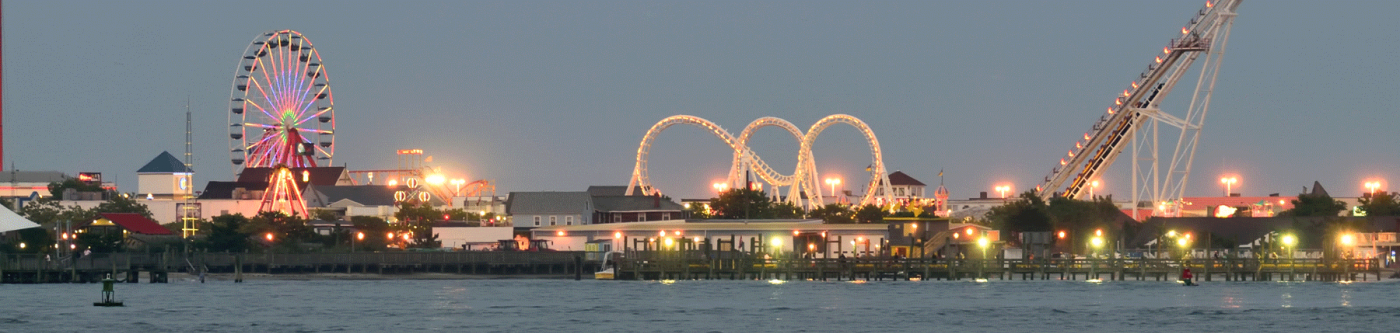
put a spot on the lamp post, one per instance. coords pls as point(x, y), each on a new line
point(457, 186)
point(1288, 241)
point(359, 236)
point(1097, 243)
point(833, 182)
point(1003, 189)
point(1229, 182)
point(719, 187)
point(1372, 186)
point(1092, 185)
point(982, 243)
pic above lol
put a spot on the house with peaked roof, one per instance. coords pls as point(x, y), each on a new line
point(358, 200)
point(538, 209)
point(902, 186)
point(135, 229)
point(165, 178)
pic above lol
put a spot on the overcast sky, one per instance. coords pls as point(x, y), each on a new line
point(540, 95)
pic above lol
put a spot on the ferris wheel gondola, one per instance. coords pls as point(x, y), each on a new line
point(281, 109)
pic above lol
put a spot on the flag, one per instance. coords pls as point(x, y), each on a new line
point(867, 167)
point(940, 172)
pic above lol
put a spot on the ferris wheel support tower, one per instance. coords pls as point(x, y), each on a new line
point(1136, 117)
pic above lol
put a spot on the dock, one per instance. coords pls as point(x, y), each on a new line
point(156, 267)
point(735, 265)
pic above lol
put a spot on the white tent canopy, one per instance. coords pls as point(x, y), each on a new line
point(9, 221)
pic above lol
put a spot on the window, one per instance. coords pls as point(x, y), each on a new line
point(641, 217)
point(665, 216)
point(568, 220)
point(537, 220)
point(617, 218)
point(553, 220)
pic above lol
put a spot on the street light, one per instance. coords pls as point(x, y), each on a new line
point(457, 186)
point(1229, 182)
point(719, 187)
point(435, 179)
point(983, 243)
point(1092, 185)
point(359, 237)
point(833, 182)
point(1373, 186)
point(1288, 241)
point(1003, 189)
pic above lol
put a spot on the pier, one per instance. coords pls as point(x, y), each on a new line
point(156, 267)
point(732, 265)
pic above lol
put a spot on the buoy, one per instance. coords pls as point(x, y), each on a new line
point(108, 293)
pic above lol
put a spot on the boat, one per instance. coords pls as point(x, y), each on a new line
point(608, 272)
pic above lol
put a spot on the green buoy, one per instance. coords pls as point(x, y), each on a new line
point(108, 297)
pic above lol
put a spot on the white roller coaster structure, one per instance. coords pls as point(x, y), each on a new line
point(1135, 115)
point(802, 182)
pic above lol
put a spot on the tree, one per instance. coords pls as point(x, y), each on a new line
point(1380, 204)
point(833, 214)
point(288, 231)
point(870, 214)
point(121, 204)
point(56, 188)
point(697, 211)
point(787, 210)
point(324, 215)
point(742, 203)
point(1315, 205)
point(1028, 213)
point(376, 231)
point(416, 212)
point(227, 233)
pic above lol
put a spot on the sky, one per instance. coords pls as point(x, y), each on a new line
point(556, 96)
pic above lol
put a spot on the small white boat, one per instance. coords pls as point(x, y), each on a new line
point(606, 274)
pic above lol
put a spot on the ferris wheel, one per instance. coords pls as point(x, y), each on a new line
point(281, 108)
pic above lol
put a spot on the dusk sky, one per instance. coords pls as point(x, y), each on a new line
point(540, 95)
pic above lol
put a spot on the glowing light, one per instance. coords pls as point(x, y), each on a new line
point(1181, 242)
point(1171, 233)
point(969, 231)
point(1346, 239)
point(661, 233)
point(678, 232)
point(983, 242)
point(980, 280)
point(22, 245)
point(697, 239)
point(776, 281)
point(667, 282)
point(811, 247)
point(1098, 232)
point(393, 182)
point(391, 236)
point(435, 179)
point(1165, 50)
point(617, 235)
point(268, 236)
point(1159, 60)
point(777, 242)
point(560, 233)
point(794, 233)
point(360, 235)
point(1062, 234)
point(669, 242)
point(1184, 30)
point(1097, 242)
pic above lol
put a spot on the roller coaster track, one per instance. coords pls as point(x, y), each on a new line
point(801, 182)
point(1135, 116)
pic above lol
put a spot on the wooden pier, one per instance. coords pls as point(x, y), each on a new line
point(689, 265)
point(130, 267)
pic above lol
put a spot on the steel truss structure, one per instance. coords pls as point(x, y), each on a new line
point(1136, 116)
point(802, 182)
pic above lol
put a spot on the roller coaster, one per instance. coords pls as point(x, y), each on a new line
point(801, 183)
point(1136, 116)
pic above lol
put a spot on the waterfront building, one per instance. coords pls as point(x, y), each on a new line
point(542, 209)
point(165, 178)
